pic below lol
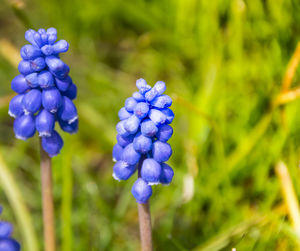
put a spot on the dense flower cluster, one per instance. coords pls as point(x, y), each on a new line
point(142, 138)
point(45, 91)
point(7, 243)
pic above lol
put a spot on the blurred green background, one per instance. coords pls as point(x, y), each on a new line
point(223, 62)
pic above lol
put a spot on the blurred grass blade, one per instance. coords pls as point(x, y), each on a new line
point(248, 143)
point(221, 241)
point(66, 205)
point(13, 194)
point(289, 195)
point(9, 52)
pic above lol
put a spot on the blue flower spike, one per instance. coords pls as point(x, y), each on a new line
point(143, 132)
point(45, 91)
point(7, 243)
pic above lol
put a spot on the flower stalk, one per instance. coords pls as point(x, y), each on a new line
point(47, 200)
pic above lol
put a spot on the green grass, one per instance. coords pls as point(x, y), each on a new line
point(223, 62)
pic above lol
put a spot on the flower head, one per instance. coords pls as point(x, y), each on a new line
point(143, 132)
point(45, 91)
point(7, 243)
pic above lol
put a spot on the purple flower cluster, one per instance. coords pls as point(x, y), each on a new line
point(7, 243)
point(142, 138)
point(44, 91)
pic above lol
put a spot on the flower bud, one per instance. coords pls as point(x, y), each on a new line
point(24, 127)
point(19, 84)
point(117, 152)
point(157, 117)
point(32, 101)
point(148, 128)
point(141, 191)
point(57, 67)
point(124, 114)
point(138, 97)
point(29, 52)
point(141, 84)
point(69, 128)
point(44, 123)
point(9, 244)
point(162, 101)
point(16, 106)
point(67, 111)
point(37, 64)
point(169, 115)
point(52, 35)
point(32, 80)
point(129, 155)
point(130, 103)
point(51, 99)
point(132, 124)
point(45, 79)
point(123, 171)
point(63, 84)
point(142, 144)
point(121, 129)
point(71, 92)
point(24, 67)
point(124, 141)
point(6, 229)
point(167, 174)
point(141, 110)
point(151, 171)
point(161, 151)
point(29, 36)
point(53, 144)
point(165, 132)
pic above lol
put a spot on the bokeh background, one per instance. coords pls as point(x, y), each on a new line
point(223, 62)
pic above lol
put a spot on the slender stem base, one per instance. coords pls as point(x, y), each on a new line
point(145, 226)
point(144, 219)
point(47, 198)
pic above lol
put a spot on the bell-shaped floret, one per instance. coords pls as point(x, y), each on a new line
point(51, 99)
point(124, 141)
point(123, 171)
point(16, 106)
point(141, 191)
point(71, 92)
point(130, 156)
point(9, 244)
point(162, 101)
point(164, 133)
point(37, 64)
point(151, 171)
point(57, 67)
point(32, 80)
point(6, 229)
point(117, 152)
point(63, 84)
point(167, 174)
point(45, 122)
point(148, 128)
point(19, 84)
point(24, 127)
point(161, 151)
point(68, 111)
point(142, 144)
point(32, 101)
point(69, 128)
point(53, 144)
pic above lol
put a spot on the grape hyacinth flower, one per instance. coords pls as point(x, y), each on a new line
point(7, 243)
point(143, 132)
point(45, 91)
